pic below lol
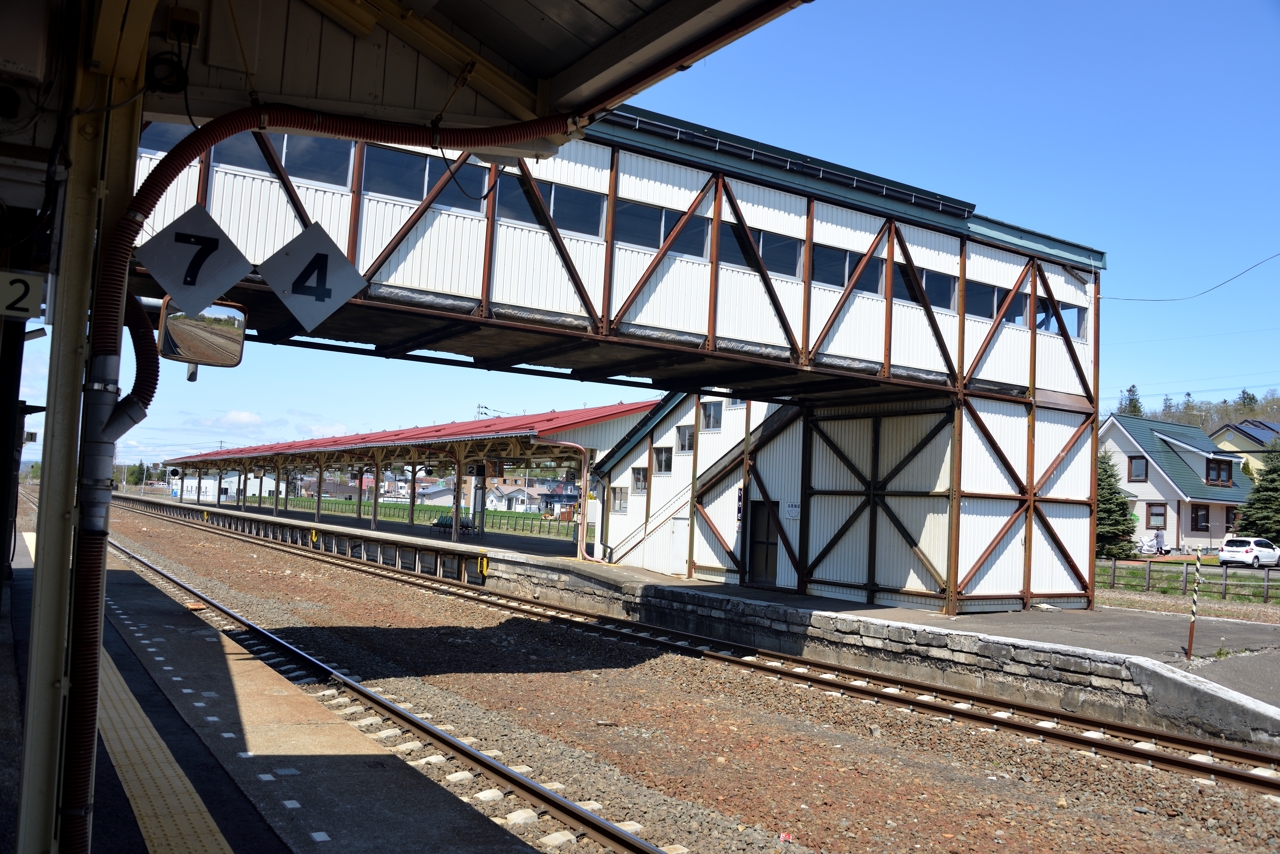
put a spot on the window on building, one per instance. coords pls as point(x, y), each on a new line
point(979, 300)
point(1231, 519)
point(579, 211)
point(712, 413)
point(161, 137)
point(693, 237)
point(1017, 312)
point(684, 438)
point(1218, 472)
point(781, 255)
point(735, 402)
point(1137, 469)
point(662, 461)
point(318, 158)
point(464, 190)
point(1045, 321)
point(637, 224)
point(514, 203)
point(640, 480)
point(733, 247)
point(1156, 514)
point(1199, 517)
point(939, 288)
point(618, 499)
point(389, 172)
point(872, 279)
point(828, 265)
point(242, 151)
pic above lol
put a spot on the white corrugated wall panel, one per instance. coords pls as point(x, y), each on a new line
point(666, 549)
point(897, 565)
point(721, 504)
point(588, 257)
point(675, 297)
point(444, 253)
point(253, 210)
point(980, 521)
point(657, 182)
point(931, 468)
point(176, 200)
point(913, 343)
point(931, 250)
point(1008, 359)
point(1054, 370)
point(858, 333)
point(577, 164)
point(380, 219)
point(771, 210)
point(843, 228)
point(330, 208)
point(1049, 572)
point(1065, 287)
point(778, 463)
point(994, 266)
point(744, 311)
point(527, 272)
point(1085, 352)
point(853, 437)
point(847, 560)
point(900, 407)
point(601, 436)
point(623, 525)
point(1053, 428)
point(980, 468)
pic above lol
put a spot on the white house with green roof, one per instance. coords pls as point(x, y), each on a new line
point(1180, 481)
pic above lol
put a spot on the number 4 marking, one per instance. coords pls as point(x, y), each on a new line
point(318, 266)
point(208, 246)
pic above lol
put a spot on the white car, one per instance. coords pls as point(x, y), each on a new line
point(1252, 552)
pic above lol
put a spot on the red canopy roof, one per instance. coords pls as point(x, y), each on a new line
point(539, 425)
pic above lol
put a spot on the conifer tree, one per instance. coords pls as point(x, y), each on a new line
point(1260, 514)
point(1130, 402)
point(1115, 523)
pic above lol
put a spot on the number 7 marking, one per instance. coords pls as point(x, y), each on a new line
point(208, 246)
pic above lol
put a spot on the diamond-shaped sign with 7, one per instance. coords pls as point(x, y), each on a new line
point(312, 276)
point(193, 260)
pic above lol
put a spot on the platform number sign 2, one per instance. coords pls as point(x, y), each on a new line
point(21, 294)
point(193, 260)
point(312, 276)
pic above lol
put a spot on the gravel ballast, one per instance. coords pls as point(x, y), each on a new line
point(698, 753)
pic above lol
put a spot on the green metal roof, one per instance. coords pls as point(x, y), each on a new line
point(1188, 480)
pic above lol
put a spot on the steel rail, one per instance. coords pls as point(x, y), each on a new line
point(1043, 723)
point(563, 810)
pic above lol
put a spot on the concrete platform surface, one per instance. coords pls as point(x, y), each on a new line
point(280, 745)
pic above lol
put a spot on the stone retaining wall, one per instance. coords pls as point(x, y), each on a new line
point(1120, 688)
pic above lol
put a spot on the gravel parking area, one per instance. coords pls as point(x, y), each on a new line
point(700, 754)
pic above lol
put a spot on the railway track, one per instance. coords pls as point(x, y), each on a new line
point(1195, 757)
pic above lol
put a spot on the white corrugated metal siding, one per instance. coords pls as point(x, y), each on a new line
point(444, 253)
point(331, 208)
point(1053, 429)
point(527, 272)
point(843, 228)
point(1049, 573)
point(931, 469)
point(847, 561)
point(994, 266)
point(913, 342)
point(577, 164)
point(253, 210)
point(980, 521)
point(778, 463)
point(771, 210)
point(853, 437)
point(1008, 359)
point(176, 200)
point(981, 470)
point(744, 311)
point(1054, 370)
point(897, 565)
point(657, 182)
point(859, 332)
point(721, 504)
point(380, 219)
point(931, 250)
point(674, 298)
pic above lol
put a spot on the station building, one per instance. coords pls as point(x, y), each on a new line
point(875, 392)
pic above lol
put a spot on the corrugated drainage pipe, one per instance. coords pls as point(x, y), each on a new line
point(107, 417)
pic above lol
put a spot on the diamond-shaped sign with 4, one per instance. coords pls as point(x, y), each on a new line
point(312, 276)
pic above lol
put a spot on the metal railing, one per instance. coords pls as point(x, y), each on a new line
point(1242, 585)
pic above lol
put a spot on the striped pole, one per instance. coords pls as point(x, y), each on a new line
point(1195, 598)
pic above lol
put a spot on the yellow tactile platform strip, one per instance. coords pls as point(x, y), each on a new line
point(172, 817)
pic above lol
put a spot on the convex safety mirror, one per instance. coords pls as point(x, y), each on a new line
point(213, 337)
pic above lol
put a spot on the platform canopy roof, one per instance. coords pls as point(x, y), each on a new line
point(514, 438)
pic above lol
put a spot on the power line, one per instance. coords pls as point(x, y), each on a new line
point(1193, 296)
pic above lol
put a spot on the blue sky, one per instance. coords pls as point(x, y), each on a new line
point(1147, 130)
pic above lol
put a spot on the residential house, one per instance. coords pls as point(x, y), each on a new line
point(1249, 439)
point(1181, 482)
